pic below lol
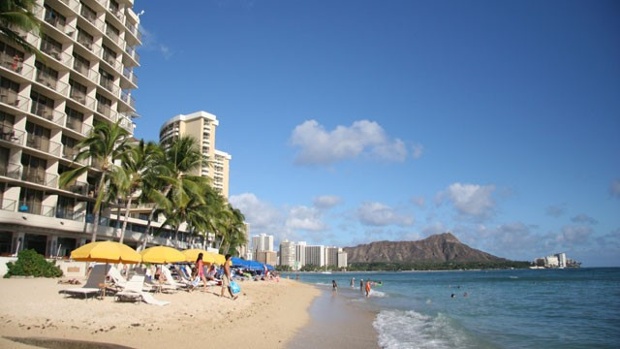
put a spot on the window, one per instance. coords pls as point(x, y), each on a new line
point(54, 18)
point(46, 75)
point(81, 64)
point(41, 105)
point(37, 136)
point(88, 13)
point(78, 91)
point(34, 169)
point(51, 46)
point(74, 119)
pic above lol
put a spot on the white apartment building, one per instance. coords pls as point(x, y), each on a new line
point(47, 105)
point(287, 253)
point(300, 254)
point(262, 242)
point(201, 126)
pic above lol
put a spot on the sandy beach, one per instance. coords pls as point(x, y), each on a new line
point(268, 314)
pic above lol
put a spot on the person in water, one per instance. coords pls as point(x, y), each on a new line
point(368, 288)
point(334, 285)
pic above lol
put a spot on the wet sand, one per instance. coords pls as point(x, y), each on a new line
point(336, 323)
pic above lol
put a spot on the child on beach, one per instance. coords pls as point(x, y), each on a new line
point(368, 288)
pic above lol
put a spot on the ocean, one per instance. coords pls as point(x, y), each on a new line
point(567, 308)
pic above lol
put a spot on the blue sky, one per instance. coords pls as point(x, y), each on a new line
point(363, 120)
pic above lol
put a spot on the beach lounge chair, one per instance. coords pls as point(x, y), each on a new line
point(91, 287)
point(170, 281)
point(133, 292)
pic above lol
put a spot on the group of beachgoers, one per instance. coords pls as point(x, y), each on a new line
point(200, 272)
point(365, 287)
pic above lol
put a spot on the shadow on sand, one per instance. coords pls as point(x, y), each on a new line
point(57, 343)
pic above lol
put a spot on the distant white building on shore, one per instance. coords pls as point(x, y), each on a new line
point(297, 255)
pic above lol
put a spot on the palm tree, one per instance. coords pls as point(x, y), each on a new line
point(228, 225)
point(134, 175)
point(106, 144)
point(180, 159)
point(189, 206)
point(19, 15)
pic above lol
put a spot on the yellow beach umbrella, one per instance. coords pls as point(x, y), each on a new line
point(106, 252)
point(220, 259)
point(162, 255)
point(192, 254)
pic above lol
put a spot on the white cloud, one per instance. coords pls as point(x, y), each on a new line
point(377, 214)
point(417, 151)
point(584, 218)
point(575, 235)
point(556, 210)
point(470, 199)
point(259, 214)
point(151, 43)
point(318, 146)
point(305, 218)
point(614, 189)
point(326, 201)
point(418, 201)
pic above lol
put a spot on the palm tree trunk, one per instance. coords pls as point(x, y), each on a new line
point(150, 220)
point(125, 219)
point(97, 208)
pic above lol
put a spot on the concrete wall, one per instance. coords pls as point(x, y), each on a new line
point(70, 269)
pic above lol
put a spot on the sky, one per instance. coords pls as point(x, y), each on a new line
point(354, 121)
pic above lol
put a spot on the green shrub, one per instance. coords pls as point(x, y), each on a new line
point(30, 263)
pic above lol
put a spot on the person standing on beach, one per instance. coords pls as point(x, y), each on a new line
point(368, 288)
point(200, 269)
point(226, 277)
point(362, 285)
point(334, 286)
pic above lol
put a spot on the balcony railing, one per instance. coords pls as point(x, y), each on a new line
point(46, 80)
point(11, 170)
point(129, 74)
point(127, 98)
point(78, 188)
point(39, 177)
point(9, 97)
point(16, 65)
point(50, 49)
point(48, 113)
point(10, 134)
point(107, 111)
point(109, 85)
point(37, 208)
point(92, 19)
point(43, 144)
point(8, 205)
point(79, 126)
point(69, 213)
point(131, 51)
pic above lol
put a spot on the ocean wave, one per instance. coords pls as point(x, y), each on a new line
point(399, 329)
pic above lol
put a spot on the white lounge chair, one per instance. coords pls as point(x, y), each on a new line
point(91, 287)
point(133, 292)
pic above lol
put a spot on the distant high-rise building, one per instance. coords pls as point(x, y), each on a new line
point(50, 102)
point(315, 255)
point(262, 242)
point(287, 253)
point(202, 127)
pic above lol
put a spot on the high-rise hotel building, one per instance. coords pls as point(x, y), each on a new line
point(201, 126)
point(84, 76)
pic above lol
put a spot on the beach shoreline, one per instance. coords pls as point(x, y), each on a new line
point(268, 314)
